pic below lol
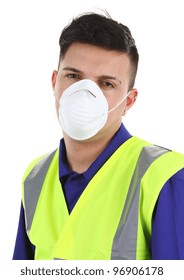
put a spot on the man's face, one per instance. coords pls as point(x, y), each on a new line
point(110, 70)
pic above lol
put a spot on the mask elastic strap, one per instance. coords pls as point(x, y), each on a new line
point(112, 109)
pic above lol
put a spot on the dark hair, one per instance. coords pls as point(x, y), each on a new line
point(101, 31)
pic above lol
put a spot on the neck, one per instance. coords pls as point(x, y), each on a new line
point(81, 154)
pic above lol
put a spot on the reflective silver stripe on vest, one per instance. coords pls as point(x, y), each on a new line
point(33, 185)
point(125, 240)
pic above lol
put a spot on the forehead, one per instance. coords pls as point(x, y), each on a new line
point(89, 58)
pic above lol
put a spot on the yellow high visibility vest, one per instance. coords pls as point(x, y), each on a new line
point(112, 218)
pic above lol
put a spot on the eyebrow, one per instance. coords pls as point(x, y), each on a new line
point(72, 69)
point(110, 78)
point(102, 77)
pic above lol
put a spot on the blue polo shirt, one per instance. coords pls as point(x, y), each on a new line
point(168, 221)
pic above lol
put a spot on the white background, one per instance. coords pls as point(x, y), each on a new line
point(29, 34)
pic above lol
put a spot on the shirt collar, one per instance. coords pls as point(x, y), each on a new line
point(121, 136)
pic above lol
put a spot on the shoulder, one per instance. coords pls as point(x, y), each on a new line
point(37, 161)
point(176, 181)
point(171, 196)
point(35, 173)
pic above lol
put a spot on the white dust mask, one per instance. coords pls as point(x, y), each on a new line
point(83, 109)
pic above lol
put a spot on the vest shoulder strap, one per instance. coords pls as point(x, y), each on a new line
point(33, 179)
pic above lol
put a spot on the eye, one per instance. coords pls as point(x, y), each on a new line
point(107, 84)
point(72, 76)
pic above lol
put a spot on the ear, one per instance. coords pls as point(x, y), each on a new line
point(130, 100)
point(53, 79)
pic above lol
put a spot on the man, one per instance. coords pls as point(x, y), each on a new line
point(104, 194)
